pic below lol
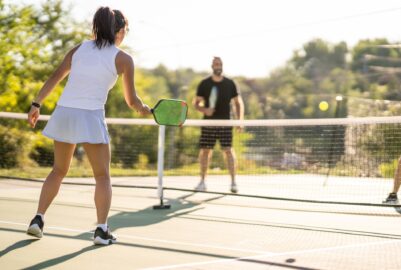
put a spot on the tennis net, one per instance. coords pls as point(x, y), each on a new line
point(338, 160)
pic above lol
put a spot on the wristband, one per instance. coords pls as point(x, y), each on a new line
point(35, 104)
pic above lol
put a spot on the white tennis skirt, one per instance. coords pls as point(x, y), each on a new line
point(73, 125)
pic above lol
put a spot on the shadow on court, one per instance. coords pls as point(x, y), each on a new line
point(17, 245)
point(86, 236)
point(51, 262)
point(61, 259)
point(144, 217)
point(148, 216)
point(74, 247)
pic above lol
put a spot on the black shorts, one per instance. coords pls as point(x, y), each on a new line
point(209, 136)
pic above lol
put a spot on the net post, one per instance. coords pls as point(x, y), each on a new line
point(160, 167)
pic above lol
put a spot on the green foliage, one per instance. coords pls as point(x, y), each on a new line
point(33, 41)
point(130, 143)
point(42, 151)
point(387, 170)
point(14, 148)
point(143, 162)
point(370, 52)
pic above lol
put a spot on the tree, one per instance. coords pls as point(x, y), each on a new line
point(33, 41)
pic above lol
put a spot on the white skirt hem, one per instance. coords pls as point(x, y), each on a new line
point(74, 125)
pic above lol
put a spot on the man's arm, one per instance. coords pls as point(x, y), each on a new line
point(239, 107)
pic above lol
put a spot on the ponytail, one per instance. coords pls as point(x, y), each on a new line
point(106, 23)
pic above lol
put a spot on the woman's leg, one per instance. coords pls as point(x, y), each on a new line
point(62, 159)
point(99, 158)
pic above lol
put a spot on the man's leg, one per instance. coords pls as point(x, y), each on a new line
point(226, 138)
point(207, 141)
point(397, 177)
point(230, 159)
point(205, 156)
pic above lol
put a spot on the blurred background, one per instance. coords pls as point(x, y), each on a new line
point(322, 79)
point(287, 57)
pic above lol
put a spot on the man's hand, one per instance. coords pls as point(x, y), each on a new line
point(208, 111)
point(239, 129)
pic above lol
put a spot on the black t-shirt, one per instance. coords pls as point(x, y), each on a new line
point(226, 90)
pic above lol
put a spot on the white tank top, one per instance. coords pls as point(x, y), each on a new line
point(93, 73)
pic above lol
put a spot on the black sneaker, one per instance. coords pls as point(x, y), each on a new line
point(36, 227)
point(103, 238)
point(391, 199)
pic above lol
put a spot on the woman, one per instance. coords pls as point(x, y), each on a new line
point(93, 67)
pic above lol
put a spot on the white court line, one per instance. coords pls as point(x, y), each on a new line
point(147, 239)
point(262, 254)
point(271, 255)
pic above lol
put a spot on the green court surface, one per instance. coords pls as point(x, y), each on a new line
point(200, 231)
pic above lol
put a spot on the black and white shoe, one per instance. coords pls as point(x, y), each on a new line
point(36, 227)
point(391, 199)
point(103, 237)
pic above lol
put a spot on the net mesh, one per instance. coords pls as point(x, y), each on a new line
point(342, 160)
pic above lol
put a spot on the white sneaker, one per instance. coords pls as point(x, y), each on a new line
point(234, 188)
point(201, 186)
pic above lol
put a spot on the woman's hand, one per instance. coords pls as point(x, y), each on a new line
point(145, 110)
point(33, 116)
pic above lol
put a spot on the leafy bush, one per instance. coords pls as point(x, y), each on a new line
point(14, 147)
point(388, 169)
point(42, 151)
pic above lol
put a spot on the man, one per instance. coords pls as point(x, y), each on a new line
point(213, 99)
point(392, 197)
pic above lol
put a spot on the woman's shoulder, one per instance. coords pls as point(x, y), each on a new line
point(123, 56)
point(72, 51)
point(124, 61)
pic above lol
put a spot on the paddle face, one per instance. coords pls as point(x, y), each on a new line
point(170, 112)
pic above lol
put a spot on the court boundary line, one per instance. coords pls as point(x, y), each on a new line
point(57, 228)
point(267, 255)
point(245, 222)
point(217, 193)
point(262, 254)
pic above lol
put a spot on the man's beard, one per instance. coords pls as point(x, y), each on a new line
point(217, 72)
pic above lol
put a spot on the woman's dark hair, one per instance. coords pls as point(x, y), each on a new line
point(106, 23)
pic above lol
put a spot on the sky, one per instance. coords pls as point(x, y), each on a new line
point(253, 37)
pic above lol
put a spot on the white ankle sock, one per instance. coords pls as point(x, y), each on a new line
point(104, 227)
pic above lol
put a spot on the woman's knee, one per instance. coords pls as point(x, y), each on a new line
point(59, 172)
